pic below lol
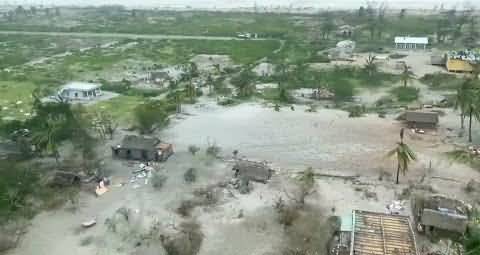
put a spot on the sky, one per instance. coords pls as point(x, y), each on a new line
point(226, 4)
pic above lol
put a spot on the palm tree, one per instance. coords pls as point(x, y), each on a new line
point(406, 76)
point(467, 100)
point(210, 83)
point(461, 102)
point(370, 66)
point(177, 97)
point(404, 156)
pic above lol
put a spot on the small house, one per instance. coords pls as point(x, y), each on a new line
point(421, 119)
point(407, 42)
point(253, 171)
point(142, 148)
point(80, 91)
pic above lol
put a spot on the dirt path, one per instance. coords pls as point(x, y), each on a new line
point(126, 35)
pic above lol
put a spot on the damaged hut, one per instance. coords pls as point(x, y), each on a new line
point(252, 171)
point(142, 148)
point(438, 212)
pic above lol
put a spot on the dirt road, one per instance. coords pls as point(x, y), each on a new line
point(126, 35)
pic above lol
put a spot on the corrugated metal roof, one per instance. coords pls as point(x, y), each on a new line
point(382, 234)
point(414, 40)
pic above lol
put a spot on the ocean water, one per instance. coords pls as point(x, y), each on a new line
point(231, 4)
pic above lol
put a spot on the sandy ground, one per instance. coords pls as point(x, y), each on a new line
point(328, 141)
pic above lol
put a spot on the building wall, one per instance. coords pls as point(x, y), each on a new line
point(457, 65)
point(412, 124)
point(134, 154)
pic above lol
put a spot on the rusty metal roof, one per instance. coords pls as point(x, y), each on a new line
point(382, 234)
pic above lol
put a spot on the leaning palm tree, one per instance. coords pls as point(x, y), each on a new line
point(406, 76)
point(404, 156)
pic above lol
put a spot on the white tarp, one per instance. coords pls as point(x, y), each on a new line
point(411, 40)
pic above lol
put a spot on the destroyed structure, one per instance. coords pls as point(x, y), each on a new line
point(252, 171)
point(421, 119)
point(370, 233)
point(438, 212)
point(142, 148)
point(79, 91)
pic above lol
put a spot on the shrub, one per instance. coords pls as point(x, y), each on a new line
point(213, 150)
point(193, 149)
point(186, 207)
point(343, 90)
point(186, 242)
point(356, 111)
point(397, 56)
point(190, 175)
point(158, 180)
point(150, 115)
point(405, 94)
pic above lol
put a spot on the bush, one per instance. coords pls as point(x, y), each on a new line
point(356, 111)
point(186, 242)
point(186, 207)
point(343, 90)
point(193, 149)
point(405, 94)
point(441, 81)
point(213, 150)
point(397, 56)
point(158, 180)
point(152, 114)
point(190, 175)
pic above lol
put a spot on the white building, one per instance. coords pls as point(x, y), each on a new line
point(80, 91)
point(407, 42)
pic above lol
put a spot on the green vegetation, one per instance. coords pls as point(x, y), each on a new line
point(152, 114)
point(464, 157)
point(441, 81)
point(405, 94)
